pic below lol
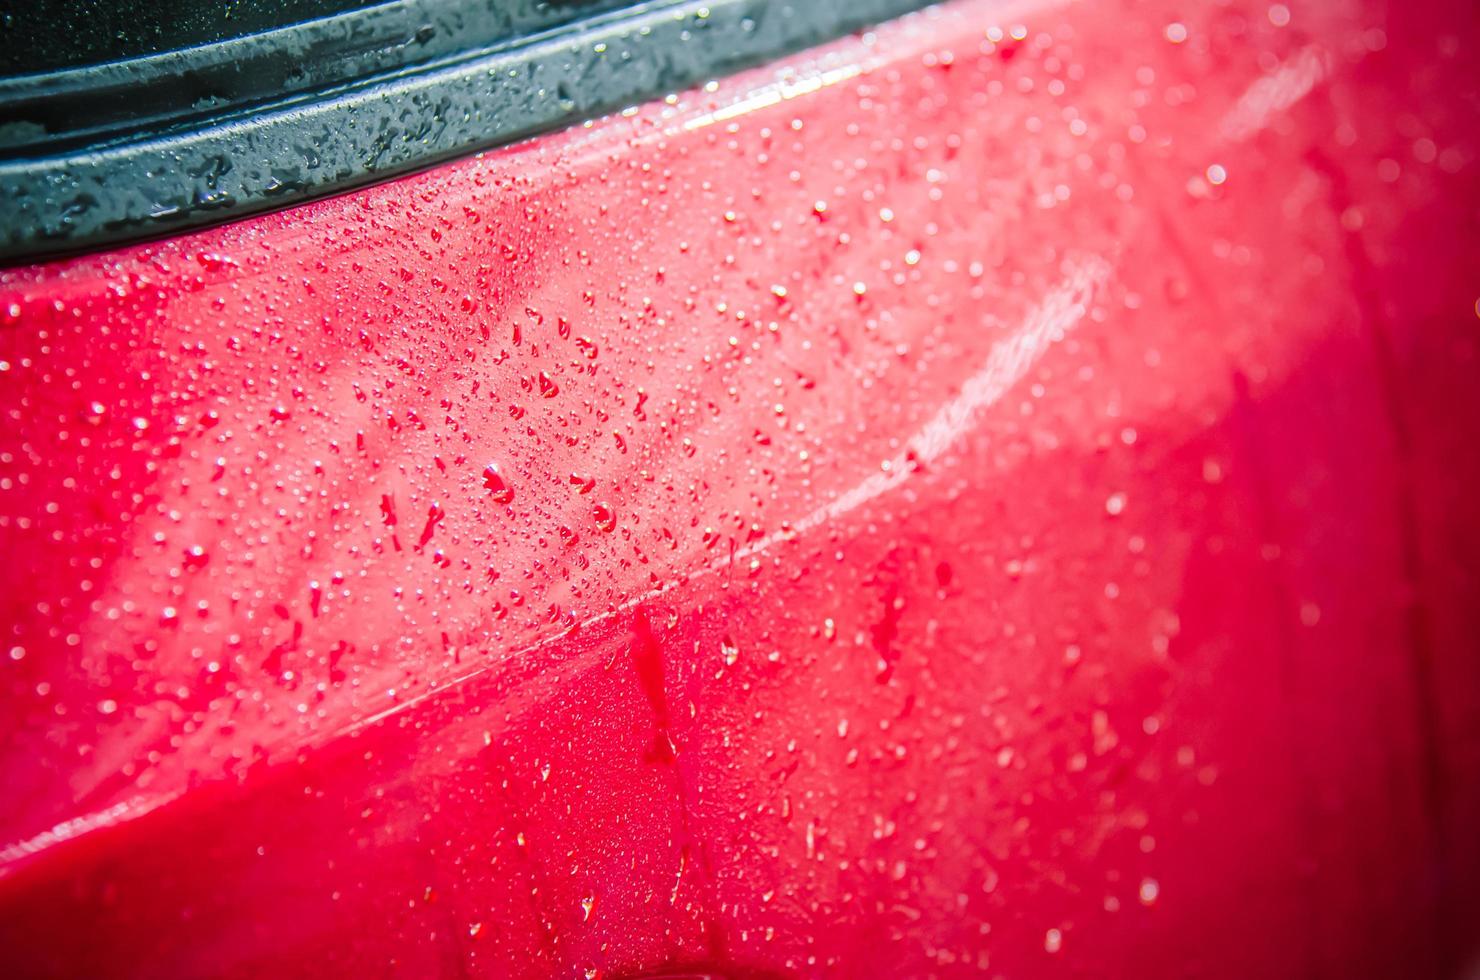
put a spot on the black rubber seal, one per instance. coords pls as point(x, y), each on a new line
point(50, 35)
point(81, 102)
point(101, 154)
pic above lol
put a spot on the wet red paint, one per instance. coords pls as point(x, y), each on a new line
point(994, 495)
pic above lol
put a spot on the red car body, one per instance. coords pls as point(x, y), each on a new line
point(992, 495)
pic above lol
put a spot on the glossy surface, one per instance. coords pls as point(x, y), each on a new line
point(990, 496)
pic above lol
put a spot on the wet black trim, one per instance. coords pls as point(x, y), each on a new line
point(51, 35)
point(84, 103)
point(104, 154)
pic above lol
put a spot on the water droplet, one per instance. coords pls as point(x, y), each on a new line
point(435, 515)
point(493, 482)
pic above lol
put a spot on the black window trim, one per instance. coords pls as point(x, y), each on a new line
point(101, 155)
